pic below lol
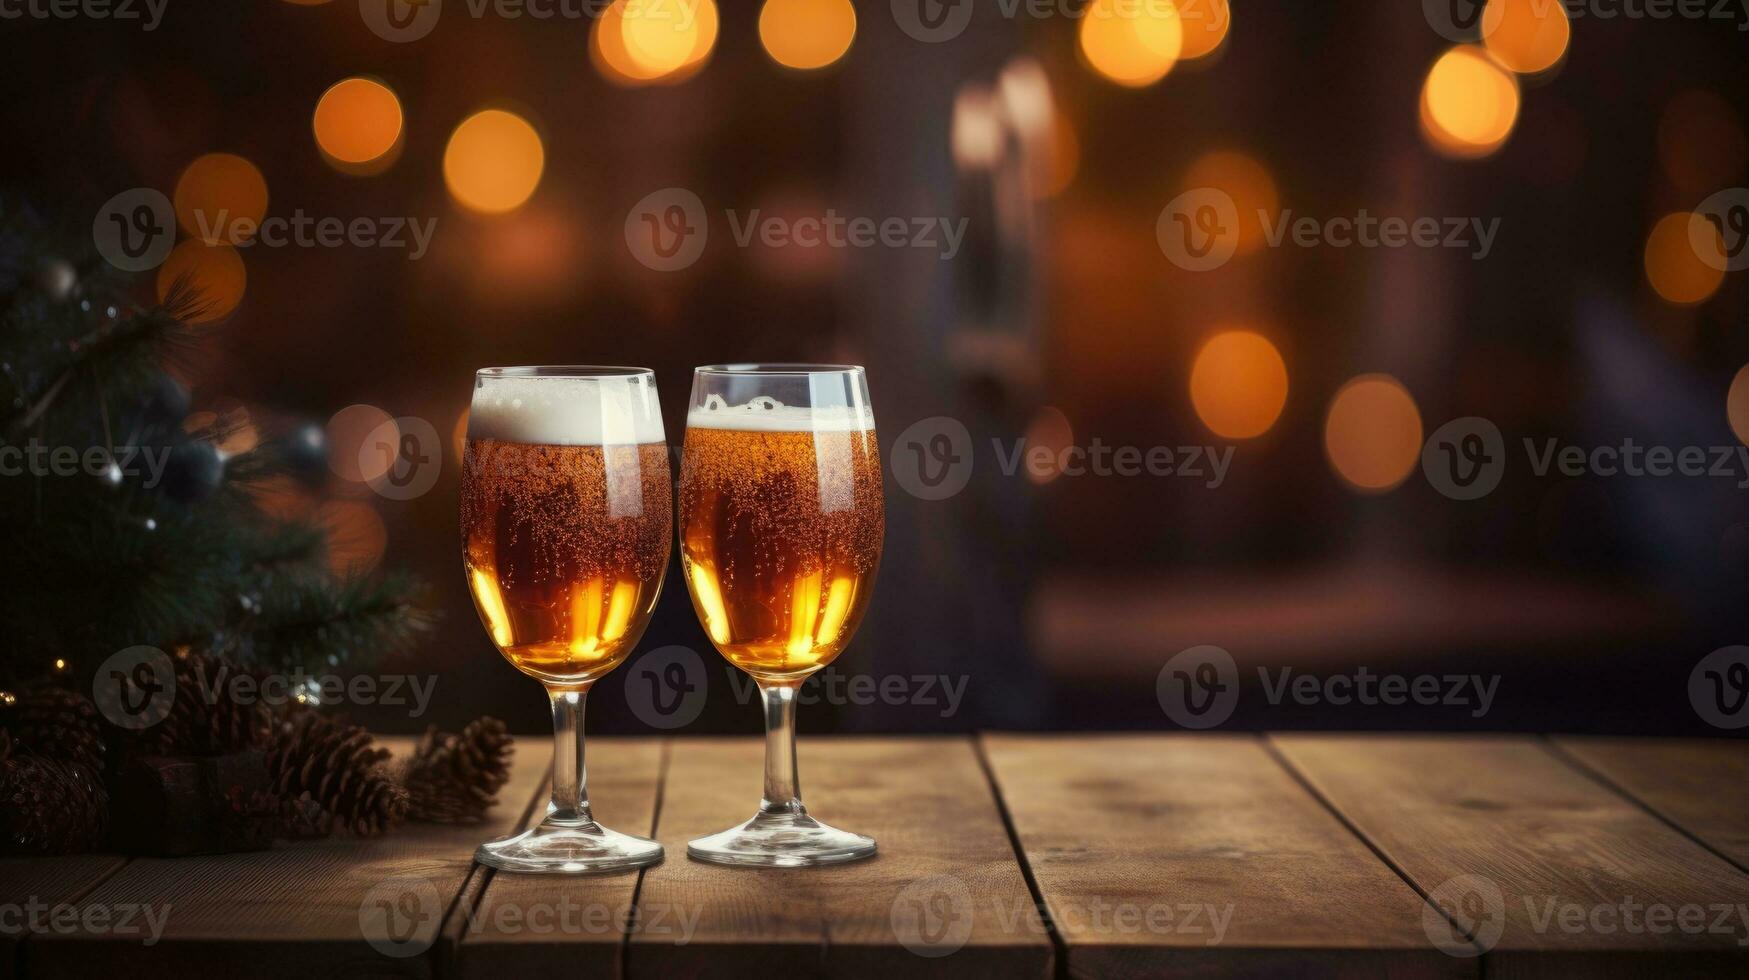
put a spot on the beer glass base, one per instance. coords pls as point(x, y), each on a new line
point(576, 849)
point(782, 840)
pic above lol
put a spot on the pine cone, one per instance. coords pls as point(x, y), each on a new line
point(49, 806)
point(338, 767)
point(56, 723)
point(454, 778)
point(204, 719)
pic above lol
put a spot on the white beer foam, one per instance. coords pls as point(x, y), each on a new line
point(563, 412)
point(766, 414)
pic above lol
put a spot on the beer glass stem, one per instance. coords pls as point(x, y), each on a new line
point(570, 795)
point(782, 793)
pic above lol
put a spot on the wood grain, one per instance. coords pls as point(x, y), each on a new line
point(295, 911)
point(544, 925)
point(1556, 862)
point(1181, 832)
point(31, 889)
point(1701, 785)
point(945, 879)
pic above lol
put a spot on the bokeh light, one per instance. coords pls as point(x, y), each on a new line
point(215, 272)
point(357, 537)
point(1526, 36)
point(1050, 431)
point(1372, 435)
point(1130, 43)
point(493, 162)
point(358, 123)
point(664, 41)
point(806, 34)
point(1238, 384)
point(347, 431)
point(1248, 183)
point(1701, 145)
point(1468, 103)
point(1674, 269)
point(1206, 24)
point(216, 193)
point(1737, 404)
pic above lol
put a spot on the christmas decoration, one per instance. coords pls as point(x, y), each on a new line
point(48, 806)
point(455, 778)
point(340, 768)
point(158, 540)
point(206, 718)
point(170, 806)
point(59, 724)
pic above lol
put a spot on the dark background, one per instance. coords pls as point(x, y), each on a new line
point(1057, 602)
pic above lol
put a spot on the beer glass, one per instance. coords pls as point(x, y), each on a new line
point(567, 521)
point(780, 536)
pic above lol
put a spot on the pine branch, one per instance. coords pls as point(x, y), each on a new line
point(322, 622)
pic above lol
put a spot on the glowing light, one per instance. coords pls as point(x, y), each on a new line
point(1133, 44)
point(1238, 384)
point(1701, 145)
point(357, 537)
point(60, 664)
point(493, 162)
point(1049, 430)
point(660, 38)
point(220, 197)
point(976, 133)
point(214, 271)
point(347, 431)
point(1372, 435)
point(1526, 36)
point(806, 34)
point(1205, 28)
point(491, 605)
point(1468, 103)
point(1737, 404)
point(1250, 186)
point(1675, 270)
point(358, 125)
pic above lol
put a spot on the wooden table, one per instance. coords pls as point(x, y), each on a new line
point(1003, 855)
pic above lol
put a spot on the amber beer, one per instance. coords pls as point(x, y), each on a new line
point(564, 546)
point(780, 533)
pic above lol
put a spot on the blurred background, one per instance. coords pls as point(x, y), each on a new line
point(1061, 133)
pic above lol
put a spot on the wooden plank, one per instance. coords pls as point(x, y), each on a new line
point(545, 925)
point(33, 889)
point(1701, 785)
point(945, 880)
point(1551, 872)
point(1200, 855)
point(298, 910)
